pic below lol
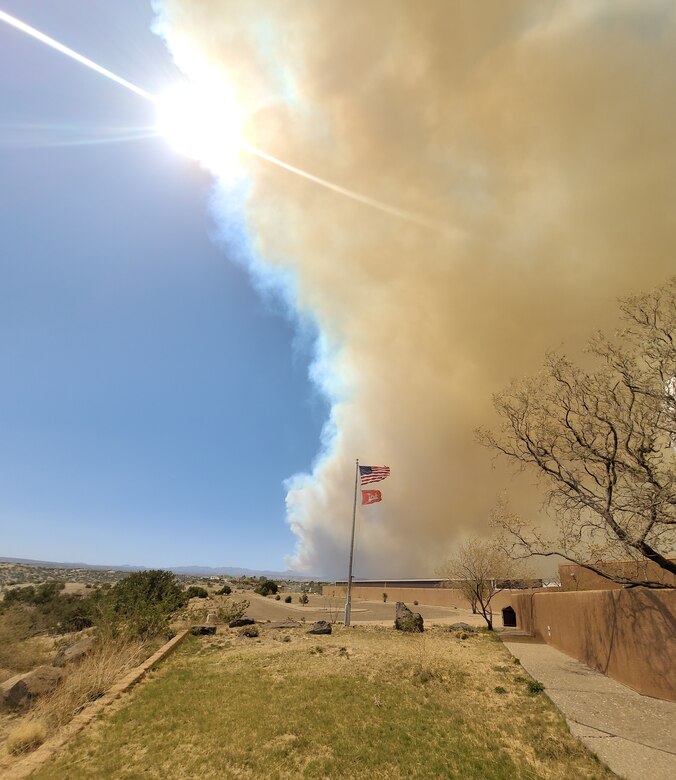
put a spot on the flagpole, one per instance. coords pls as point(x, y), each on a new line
point(348, 601)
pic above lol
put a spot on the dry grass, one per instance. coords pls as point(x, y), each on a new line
point(88, 681)
point(26, 736)
point(84, 682)
point(362, 703)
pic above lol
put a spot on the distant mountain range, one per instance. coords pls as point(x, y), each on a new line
point(194, 571)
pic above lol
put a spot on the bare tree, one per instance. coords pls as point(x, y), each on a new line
point(603, 441)
point(481, 569)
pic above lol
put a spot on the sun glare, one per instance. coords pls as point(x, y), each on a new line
point(203, 124)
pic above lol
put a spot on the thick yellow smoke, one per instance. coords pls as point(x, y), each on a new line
point(542, 134)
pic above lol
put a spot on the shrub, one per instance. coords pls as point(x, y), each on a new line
point(249, 631)
point(288, 600)
point(232, 610)
point(415, 603)
point(196, 592)
point(48, 610)
point(277, 597)
point(303, 599)
point(26, 736)
point(64, 614)
point(19, 596)
point(535, 687)
point(144, 600)
point(385, 597)
point(267, 587)
point(226, 590)
point(500, 689)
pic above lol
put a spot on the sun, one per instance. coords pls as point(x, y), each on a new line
point(202, 123)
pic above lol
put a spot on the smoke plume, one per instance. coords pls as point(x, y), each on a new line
point(543, 135)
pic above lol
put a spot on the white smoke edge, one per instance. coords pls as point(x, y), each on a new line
point(275, 286)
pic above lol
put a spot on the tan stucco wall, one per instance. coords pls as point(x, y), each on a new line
point(431, 597)
point(630, 635)
point(574, 577)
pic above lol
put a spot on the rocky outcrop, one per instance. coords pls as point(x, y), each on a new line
point(405, 620)
point(320, 627)
point(75, 652)
point(21, 689)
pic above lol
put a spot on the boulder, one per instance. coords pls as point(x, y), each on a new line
point(75, 652)
point(461, 627)
point(320, 627)
point(238, 622)
point(405, 620)
point(21, 689)
point(203, 630)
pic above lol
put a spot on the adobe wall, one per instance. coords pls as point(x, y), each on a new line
point(630, 634)
point(575, 577)
point(431, 597)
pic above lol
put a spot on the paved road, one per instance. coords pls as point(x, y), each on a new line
point(363, 612)
point(634, 735)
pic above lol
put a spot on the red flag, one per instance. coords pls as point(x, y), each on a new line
point(371, 496)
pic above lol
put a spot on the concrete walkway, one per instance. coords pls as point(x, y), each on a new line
point(634, 735)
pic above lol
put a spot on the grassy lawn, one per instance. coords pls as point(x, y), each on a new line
point(362, 703)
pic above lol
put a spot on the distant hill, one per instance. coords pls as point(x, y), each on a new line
point(195, 571)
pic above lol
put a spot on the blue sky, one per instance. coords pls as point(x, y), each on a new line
point(151, 403)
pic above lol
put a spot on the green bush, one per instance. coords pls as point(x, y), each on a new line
point(500, 689)
point(19, 596)
point(303, 599)
point(277, 597)
point(232, 610)
point(143, 602)
point(196, 592)
point(226, 590)
point(288, 600)
point(48, 610)
point(535, 687)
point(267, 587)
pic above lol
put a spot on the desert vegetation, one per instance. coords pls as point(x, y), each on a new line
point(82, 642)
point(362, 702)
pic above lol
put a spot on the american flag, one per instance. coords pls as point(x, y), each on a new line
point(373, 473)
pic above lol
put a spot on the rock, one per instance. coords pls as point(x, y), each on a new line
point(75, 652)
point(21, 689)
point(203, 630)
point(320, 627)
point(405, 620)
point(237, 622)
point(461, 627)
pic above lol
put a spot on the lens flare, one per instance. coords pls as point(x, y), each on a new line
point(205, 124)
point(201, 123)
